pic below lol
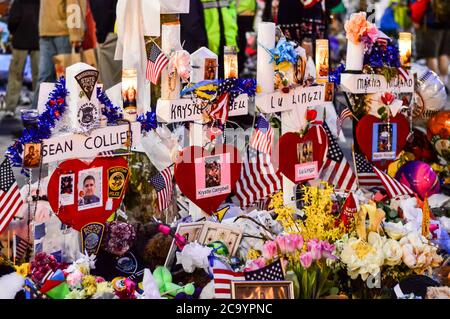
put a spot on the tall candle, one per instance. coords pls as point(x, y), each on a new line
point(265, 69)
point(230, 62)
point(170, 41)
point(404, 46)
point(322, 61)
point(355, 56)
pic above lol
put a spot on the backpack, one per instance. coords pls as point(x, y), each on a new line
point(441, 10)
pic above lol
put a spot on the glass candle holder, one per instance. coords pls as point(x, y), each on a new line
point(405, 48)
point(129, 94)
point(30, 119)
point(322, 61)
point(230, 62)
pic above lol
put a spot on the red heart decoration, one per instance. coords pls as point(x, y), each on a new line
point(185, 175)
point(287, 147)
point(72, 215)
point(364, 135)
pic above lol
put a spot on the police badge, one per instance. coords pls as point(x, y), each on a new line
point(91, 237)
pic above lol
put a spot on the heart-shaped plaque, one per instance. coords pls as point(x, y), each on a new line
point(380, 141)
point(82, 193)
point(207, 178)
point(302, 153)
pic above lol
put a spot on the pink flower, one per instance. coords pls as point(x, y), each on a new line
point(372, 32)
point(295, 242)
point(327, 249)
point(74, 278)
point(256, 264)
point(356, 26)
point(306, 259)
point(315, 248)
point(283, 244)
point(269, 250)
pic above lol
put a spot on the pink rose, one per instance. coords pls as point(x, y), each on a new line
point(306, 259)
point(315, 248)
point(295, 242)
point(269, 250)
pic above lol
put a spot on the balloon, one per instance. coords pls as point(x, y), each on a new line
point(419, 177)
point(420, 146)
point(219, 248)
point(438, 133)
point(430, 96)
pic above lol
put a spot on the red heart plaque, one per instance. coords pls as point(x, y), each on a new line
point(288, 148)
point(364, 136)
point(83, 193)
point(203, 178)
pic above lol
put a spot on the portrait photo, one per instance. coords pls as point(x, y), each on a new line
point(329, 91)
point(262, 290)
point(32, 155)
point(305, 152)
point(212, 171)
point(299, 72)
point(210, 69)
point(66, 189)
point(384, 144)
point(90, 188)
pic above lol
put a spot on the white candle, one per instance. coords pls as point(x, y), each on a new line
point(230, 62)
point(355, 56)
point(265, 70)
point(170, 42)
point(322, 58)
point(404, 46)
point(129, 94)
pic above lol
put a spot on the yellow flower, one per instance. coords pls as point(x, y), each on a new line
point(23, 269)
point(253, 254)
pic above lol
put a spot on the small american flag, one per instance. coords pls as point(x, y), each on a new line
point(20, 247)
point(164, 187)
point(262, 138)
point(345, 114)
point(222, 282)
point(10, 198)
point(219, 111)
point(336, 170)
point(393, 187)
point(366, 176)
point(157, 61)
point(271, 272)
point(258, 179)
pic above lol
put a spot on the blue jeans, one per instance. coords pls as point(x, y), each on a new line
point(49, 47)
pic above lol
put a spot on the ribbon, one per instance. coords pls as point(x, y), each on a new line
point(180, 62)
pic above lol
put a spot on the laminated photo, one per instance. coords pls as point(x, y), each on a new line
point(384, 141)
point(90, 188)
point(67, 189)
point(212, 175)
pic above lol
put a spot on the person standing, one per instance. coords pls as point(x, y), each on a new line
point(246, 10)
point(23, 24)
point(104, 12)
point(61, 27)
point(431, 20)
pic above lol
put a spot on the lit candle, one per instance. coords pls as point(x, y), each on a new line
point(404, 46)
point(230, 62)
point(129, 94)
point(322, 61)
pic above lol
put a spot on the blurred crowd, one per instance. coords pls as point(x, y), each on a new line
point(33, 32)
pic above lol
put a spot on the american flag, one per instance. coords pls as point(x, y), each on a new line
point(393, 187)
point(336, 170)
point(345, 114)
point(20, 247)
point(222, 282)
point(10, 198)
point(219, 111)
point(271, 272)
point(157, 61)
point(262, 138)
point(366, 176)
point(164, 187)
point(258, 179)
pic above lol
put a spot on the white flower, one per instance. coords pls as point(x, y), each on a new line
point(375, 240)
point(392, 252)
point(194, 256)
point(395, 230)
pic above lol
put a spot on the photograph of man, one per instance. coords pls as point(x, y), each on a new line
point(32, 156)
point(89, 191)
point(385, 138)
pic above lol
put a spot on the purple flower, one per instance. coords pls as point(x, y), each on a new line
point(306, 259)
point(327, 249)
